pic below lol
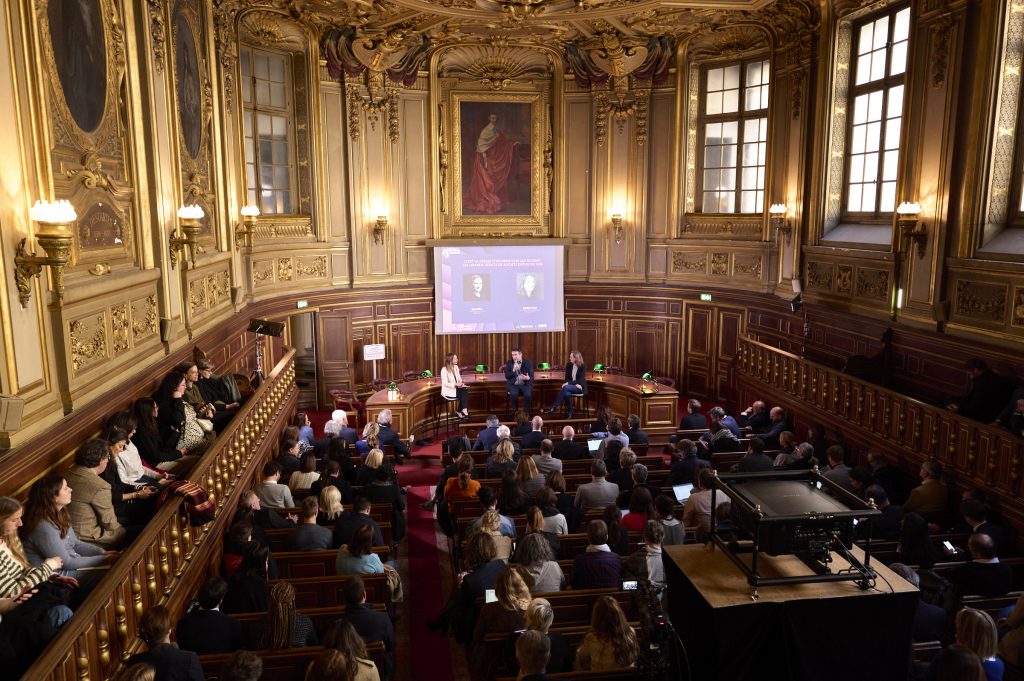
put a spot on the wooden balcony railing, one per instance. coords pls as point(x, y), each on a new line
point(980, 455)
point(164, 565)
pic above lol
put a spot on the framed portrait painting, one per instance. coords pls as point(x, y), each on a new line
point(498, 153)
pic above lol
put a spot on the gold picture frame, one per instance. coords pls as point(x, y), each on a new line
point(497, 179)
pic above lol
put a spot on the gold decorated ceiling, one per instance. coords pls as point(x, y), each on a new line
point(548, 22)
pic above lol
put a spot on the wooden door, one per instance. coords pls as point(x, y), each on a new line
point(712, 338)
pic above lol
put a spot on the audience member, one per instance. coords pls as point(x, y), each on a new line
point(988, 394)
point(482, 570)
point(332, 476)
point(533, 650)
point(805, 459)
point(490, 524)
point(641, 508)
point(634, 434)
point(693, 420)
point(284, 626)
point(18, 577)
point(778, 425)
point(614, 433)
point(838, 472)
point(915, 547)
point(754, 419)
point(487, 437)
point(976, 630)
point(931, 623)
point(371, 626)
point(529, 477)
point(1011, 645)
point(158, 449)
point(623, 476)
point(523, 424)
point(372, 464)
point(892, 479)
point(787, 450)
point(546, 462)
point(755, 460)
point(383, 490)
point(885, 526)
point(697, 510)
point(505, 435)
point(505, 615)
point(503, 459)
point(489, 502)
point(330, 507)
point(610, 642)
point(242, 666)
point(931, 497)
point(975, 514)
point(271, 493)
point(567, 449)
point(555, 521)
point(563, 502)
point(512, 498)
point(539, 618)
point(357, 557)
point(533, 438)
point(646, 564)
point(537, 564)
point(205, 630)
point(618, 536)
point(342, 639)
point(308, 535)
point(307, 475)
point(338, 427)
point(247, 587)
point(387, 436)
point(983, 574)
point(674, 532)
point(597, 567)
point(598, 493)
point(462, 486)
point(535, 525)
point(171, 664)
point(955, 663)
point(685, 463)
point(92, 508)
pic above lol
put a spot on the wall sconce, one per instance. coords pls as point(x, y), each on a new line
point(780, 225)
point(247, 227)
point(379, 229)
point(617, 227)
point(910, 228)
point(190, 222)
point(54, 235)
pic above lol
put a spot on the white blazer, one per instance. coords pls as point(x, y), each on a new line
point(449, 379)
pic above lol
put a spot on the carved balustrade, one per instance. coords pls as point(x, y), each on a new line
point(980, 455)
point(168, 561)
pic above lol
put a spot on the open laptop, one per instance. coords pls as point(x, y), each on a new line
point(593, 446)
point(682, 492)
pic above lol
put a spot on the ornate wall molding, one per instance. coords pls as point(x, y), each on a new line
point(981, 300)
point(158, 33)
point(88, 341)
point(701, 226)
point(872, 283)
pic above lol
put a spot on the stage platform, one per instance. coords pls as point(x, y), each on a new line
point(798, 632)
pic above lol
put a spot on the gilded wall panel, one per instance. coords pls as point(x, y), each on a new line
point(689, 262)
point(872, 283)
point(820, 275)
point(262, 273)
point(119, 328)
point(314, 267)
point(747, 266)
point(89, 341)
point(981, 300)
point(144, 319)
point(700, 226)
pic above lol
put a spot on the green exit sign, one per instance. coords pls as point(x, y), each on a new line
point(705, 297)
point(302, 304)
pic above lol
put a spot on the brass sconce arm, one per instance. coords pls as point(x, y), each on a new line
point(910, 229)
point(185, 240)
point(780, 224)
point(54, 235)
point(617, 227)
point(247, 227)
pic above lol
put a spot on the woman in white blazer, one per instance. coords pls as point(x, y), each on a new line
point(452, 386)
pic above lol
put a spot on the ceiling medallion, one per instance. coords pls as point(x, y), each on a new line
point(528, 9)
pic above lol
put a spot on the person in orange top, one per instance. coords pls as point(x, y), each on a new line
point(463, 486)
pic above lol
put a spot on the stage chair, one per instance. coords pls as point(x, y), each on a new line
point(449, 406)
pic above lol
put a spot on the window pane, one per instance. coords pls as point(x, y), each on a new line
point(899, 58)
point(730, 101)
point(887, 203)
point(263, 124)
point(279, 127)
point(864, 42)
point(894, 107)
point(266, 151)
point(281, 153)
point(870, 167)
point(729, 131)
point(857, 140)
point(729, 156)
point(714, 103)
point(262, 92)
point(714, 80)
point(892, 133)
point(889, 165)
point(286, 202)
point(281, 177)
point(732, 77)
point(853, 200)
point(277, 69)
point(710, 180)
point(712, 157)
point(901, 31)
point(873, 136)
point(860, 109)
point(856, 168)
point(881, 35)
point(868, 198)
point(863, 69)
point(875, 106)
point(262, 68)
point(748, 202)
point(277, 95)
point(878, 65)
point(754, 73)
point(729, 178)
point(246, 64)
point(749, 177)
point(713, 133)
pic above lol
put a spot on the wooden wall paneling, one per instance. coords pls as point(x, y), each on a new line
point(362, 371)
point(410, 347)
point(699, 360)
point(589, 336)
point(334, 359)
point(729, 328)
point(646, 349)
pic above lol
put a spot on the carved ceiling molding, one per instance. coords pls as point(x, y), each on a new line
point(493, 67)
point(158, 33)
point(734, 41)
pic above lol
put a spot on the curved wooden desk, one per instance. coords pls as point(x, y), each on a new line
point(414, 410)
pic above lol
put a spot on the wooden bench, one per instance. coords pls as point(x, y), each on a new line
point(285, 664)
point(322, 618)
point(381, 513)
point(296, 564)
point(573, 607)
point(329, 592)
point(279, 536)
point(502, 646)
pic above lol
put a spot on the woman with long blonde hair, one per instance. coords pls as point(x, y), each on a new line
point(575, 382)
point(611, 642)
point(330, 505)
point(286, 627)
point(452, 386)
point(503, 616)
point(531, 478)
point(490, 523)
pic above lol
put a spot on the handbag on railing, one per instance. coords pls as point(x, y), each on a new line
point(199, 503)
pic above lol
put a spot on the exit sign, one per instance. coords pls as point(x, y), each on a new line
point(705, 297)
point(302, 304)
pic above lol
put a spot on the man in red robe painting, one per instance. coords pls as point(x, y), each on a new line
point(492, 165)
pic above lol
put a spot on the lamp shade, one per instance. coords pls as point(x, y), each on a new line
point(543, 366)
point(427, 373)
point(392, 385)
point(648, 376)
point(598, 367)
point(482, 368)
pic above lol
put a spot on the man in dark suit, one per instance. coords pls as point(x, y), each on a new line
point(975, 514)
point(983, 575)
point(171, 663)
point(348, 522)
point(567, 448)
point(598, 567)
point(519, 380)
point(487, 437)
point(387, 436)
point(778, 424)
point(887, 525)
point(635, 435)
point(533, 439)
point(685, 463)
point(756, 460)
point(718, 415)
point(694, 420)
point(754, 419)
point(931, 623)
point(206, 630)
point(988, 394)
point(308, 536)
point(371, 625)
